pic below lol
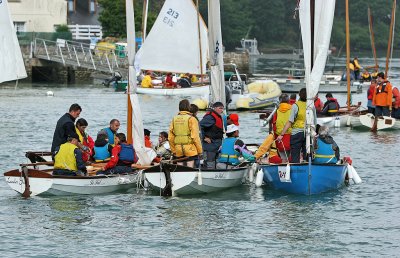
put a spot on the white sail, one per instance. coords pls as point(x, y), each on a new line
point(314, 63)
point(11, 63)
point(173, 45)
point(137, 122)
point(216, 54)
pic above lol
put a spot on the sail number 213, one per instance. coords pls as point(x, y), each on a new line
point(169, 18)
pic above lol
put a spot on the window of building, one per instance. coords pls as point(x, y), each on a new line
point(19, 26)
point(71, 6)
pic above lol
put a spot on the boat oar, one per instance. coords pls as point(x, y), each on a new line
point(48, 163)
point(27, 191)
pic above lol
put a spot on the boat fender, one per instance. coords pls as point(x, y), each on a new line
point(349, 172)
point(259, 177)
point(356, 177)
point(199, 178)
point(337, 122)
point(287, 174)
point(348, 123)
point(252, 170)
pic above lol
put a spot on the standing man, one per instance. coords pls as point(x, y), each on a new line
point(111, 131)
point(212, 131)
point(297, 121)
point(65, 127)
point(382, 99)
point(184, 137)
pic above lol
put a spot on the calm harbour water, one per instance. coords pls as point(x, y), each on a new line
point(359, 220)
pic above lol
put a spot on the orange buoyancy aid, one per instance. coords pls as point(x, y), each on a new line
point(283, 114)
point(181, 128)
point(396, 97)
point(383, 95)
point(299, 122)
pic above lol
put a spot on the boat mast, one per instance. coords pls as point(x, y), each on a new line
point(372, 37)
point(199, 34)
point(348, 54)
point(131, 45)
point(390, 41)
point(144, 19)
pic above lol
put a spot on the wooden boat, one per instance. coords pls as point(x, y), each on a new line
point(174, 179)
point(308, 178)
point(384, 123)
point(343, 118)
point(305, 178)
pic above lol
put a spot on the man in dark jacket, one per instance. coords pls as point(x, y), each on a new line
point(65, 127)
point(212, 133)
point(331, 106)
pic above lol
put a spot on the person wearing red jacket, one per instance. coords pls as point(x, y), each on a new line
point(370, 95)
point(318, 104)
point(85, 139)
point(123, 155)
point(396, 103)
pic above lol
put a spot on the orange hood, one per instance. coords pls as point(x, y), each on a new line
point(283, 107)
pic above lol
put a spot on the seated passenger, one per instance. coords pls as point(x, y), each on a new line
point(193, 78)
point(84, 139)
point(123, 156)
point(146, 81)
point(232, 148)
point(163, 149)
point(184, 81)
point(318, 104)
point(268, 146)
point(325, 148)
point(102, 149)
point(331, 106)
point(68, 159)
point(169, 83)
point(147, 141)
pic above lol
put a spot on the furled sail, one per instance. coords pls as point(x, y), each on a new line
point(173, 43)
point(216, 54)
point(11, 62)
point(316, 48)
point(137, 122)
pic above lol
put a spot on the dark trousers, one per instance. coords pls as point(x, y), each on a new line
point(210, 158)
point(115, 170)
point(66, 172)
point(297, 146)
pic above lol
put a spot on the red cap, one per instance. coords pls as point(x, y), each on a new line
point(235, 118)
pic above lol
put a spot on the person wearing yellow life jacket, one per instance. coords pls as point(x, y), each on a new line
point(85, 139)
point(331, 106)
point(212, 133)
point(325, 148)
point(297, 121)
point(232, 148)
point(268, 146)
point(357, 68)
point(278, 123)
point(68, 159)
point(184, 136)
point(147, 80)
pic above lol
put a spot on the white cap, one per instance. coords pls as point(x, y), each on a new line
point(231, 128)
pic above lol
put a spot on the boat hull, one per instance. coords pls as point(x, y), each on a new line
point(187, 182)
point(303, 180)
point(42, 183)
point(385, 123)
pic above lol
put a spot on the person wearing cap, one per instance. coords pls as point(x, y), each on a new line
point(111, 130)
point(212, 132)
point(184, 137)
point(68, 159)
point(232, 118)
point(232, 148)
point(382, 99)
point(325, 148)
point(65, 127)
point(147, 141)
point(279, 120)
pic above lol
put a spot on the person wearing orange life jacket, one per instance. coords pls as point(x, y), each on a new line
point(268, 146)
point(147, 141)
point(297, 120)
point(212, 132)
point(331, 106)
point(318, 104)
point(382, 99)
point(184, 136)
point(278, 122)
point(396, 103)
point(370, 94)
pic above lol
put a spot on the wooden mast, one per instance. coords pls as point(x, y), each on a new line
point(348, 54)
point(371, 33)
point(389, 49)
point(129, 104)
point(199, 35)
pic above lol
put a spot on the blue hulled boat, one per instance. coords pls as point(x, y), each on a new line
point(304, 178)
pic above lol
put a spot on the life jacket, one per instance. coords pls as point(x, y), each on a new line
point(383, 94)
point(333, 106)
point(181, 129)
point(110, 135)
point(324, 153)
point(216, 130)
point(65, 157)
point(228, 153)
point(127, 153)
point(281, 118)
point(318, 104)
point(351, 66)
point(101, 153)
point(301, 115)
point(81, 138)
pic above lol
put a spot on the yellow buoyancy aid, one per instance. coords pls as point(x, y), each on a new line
point(281, 119)
point(65, 158)
point(181, 129)
point(301, 115)
point(79, 134)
